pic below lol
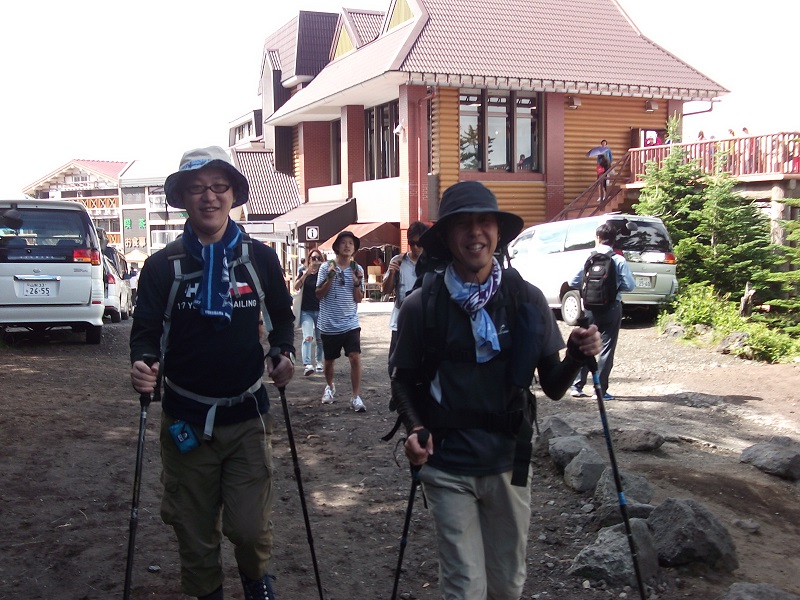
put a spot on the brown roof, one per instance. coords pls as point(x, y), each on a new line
point(271, 193)
point(568, 46)
point(365, 23)
point(302, 45)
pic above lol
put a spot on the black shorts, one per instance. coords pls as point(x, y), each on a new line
point(333, 343)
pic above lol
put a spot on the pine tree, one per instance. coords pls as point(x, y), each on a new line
point(785, 304)
point(719, 238)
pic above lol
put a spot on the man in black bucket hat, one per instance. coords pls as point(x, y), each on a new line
point(200, 310)
point(468, 343)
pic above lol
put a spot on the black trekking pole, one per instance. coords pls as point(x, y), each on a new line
point(144, 401)
point(275, 354)
point(422, 437)
point(623, 506)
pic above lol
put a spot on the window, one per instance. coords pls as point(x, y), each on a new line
point(382, 147)
point(133, 195)
point(499, 131)
point(243, 132)
point(581, 234)
point(526, 118)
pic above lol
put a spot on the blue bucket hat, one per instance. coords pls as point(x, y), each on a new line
point(468, 197)
point(199, 158)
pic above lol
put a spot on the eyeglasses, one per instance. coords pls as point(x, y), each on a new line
point(316, 259)
point(341, 277)
point(414, 243)
point(217, 188)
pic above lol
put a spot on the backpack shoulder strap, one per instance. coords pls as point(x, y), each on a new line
point(245, 260)
point(176, 253)
point(177, 256)
point(434, 322)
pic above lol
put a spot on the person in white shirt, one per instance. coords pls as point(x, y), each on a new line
point(401, 275)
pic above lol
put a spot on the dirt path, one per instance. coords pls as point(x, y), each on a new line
point(70, 421)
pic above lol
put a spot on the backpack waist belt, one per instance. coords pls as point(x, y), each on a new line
point(214, 402)
point(512, 423)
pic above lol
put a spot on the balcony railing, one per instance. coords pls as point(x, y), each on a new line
point(769, 156)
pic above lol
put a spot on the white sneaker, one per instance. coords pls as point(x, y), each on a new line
point(308, 370)
point(320, 368)
point(330, 392)
point(357, 404)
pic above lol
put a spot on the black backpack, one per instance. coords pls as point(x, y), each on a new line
point(599, 287)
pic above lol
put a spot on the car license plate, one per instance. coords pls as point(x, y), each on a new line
point(644, 282)
point(39, 289)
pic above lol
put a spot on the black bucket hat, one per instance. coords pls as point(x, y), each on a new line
point(468, 197)
point(213, 156)
point(344, 234)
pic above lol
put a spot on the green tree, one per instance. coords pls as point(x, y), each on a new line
point(785, 303)
point(720, 238)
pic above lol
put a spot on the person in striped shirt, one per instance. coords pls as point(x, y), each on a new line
point(340, 287)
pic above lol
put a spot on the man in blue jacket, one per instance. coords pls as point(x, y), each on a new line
point(608, 320)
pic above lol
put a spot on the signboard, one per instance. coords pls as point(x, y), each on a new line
point(312, 233)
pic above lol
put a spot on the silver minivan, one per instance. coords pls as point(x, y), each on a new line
point(51, 273)
point(550, 254)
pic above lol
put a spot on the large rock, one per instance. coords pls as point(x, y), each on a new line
point(564, 449)
point(552, 427)
point(637, 440)
point(609, 557)
point(584, 471)
point(686, 532)
point(780, 456)
point(607, 515)
point(756, 591)
point(636, 488)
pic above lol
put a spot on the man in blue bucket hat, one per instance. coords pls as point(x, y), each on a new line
point(204, 302)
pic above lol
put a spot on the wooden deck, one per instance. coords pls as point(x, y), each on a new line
point(759, 163)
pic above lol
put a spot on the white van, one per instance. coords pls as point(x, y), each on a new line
point(51, 273)
point(550, 254)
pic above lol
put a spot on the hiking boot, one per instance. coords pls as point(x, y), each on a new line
point(308, 370)
point(577, 392)
point(330, 392)
point(257, 589)
point(357, 404)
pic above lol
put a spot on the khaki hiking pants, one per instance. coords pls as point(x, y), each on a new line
point(223, 487)
point(481, 532)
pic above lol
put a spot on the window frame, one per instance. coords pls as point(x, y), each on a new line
point(479, 101)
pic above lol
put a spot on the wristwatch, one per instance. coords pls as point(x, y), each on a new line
point(289, 355)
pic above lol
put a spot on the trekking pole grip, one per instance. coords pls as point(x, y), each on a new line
point(274, 354)
point(422, 438)
point(591, 361)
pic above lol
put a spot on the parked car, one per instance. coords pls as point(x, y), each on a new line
point(550, 254)
point(51, 272)
point(118, 298)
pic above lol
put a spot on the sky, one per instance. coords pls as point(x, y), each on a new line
point(149, 79)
